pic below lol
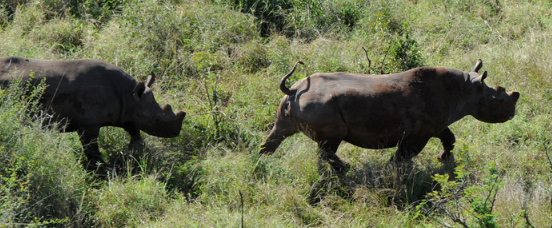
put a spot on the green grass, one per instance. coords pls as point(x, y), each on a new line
point(196, 179)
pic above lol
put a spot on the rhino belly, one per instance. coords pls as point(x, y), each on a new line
point(370, 140)
point(77, 110)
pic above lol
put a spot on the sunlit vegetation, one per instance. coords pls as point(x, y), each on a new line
point(221, 62)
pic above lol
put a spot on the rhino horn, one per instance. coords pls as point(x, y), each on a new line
point(477, 66)
point(180, 115)
point(167, 110)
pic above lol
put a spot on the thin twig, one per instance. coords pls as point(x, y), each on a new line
point(369, 61)
point(494, 195)
point(215, 100)
point(547, 156)
point(208, 95)
point(526, 216)
point(383, 61)
point(241, 198)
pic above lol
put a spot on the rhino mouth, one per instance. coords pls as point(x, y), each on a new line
point(166, 134)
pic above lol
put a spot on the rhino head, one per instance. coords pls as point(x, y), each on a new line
point(151, 117)
point(491, 105)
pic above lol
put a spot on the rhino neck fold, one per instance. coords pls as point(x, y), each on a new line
point(126, 103)
point(461, 109)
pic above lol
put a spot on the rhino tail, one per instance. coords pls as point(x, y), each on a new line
point(283, 82)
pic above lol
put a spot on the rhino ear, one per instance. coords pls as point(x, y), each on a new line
point(150, 80)
point(138, 91)
point(482, 77)
point(477, 66)
point(480, 81)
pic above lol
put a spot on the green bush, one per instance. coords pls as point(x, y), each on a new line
point(41, 181)
point(132, 202)
point(269, 13)
point(195, 179)
point(174, 42)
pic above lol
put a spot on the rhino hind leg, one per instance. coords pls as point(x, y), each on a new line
point(89, 140)
point(447, 140)
point(327, 152)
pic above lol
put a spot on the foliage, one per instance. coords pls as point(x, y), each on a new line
point(269, 13)
point(23, 172)
point(405, 53)
point(468, 206)
point(221, 61)
point(130, 202)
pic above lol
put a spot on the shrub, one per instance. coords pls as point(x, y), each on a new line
point(269, 13)
point(41, 182)
point(176, 42)
point(131, 202)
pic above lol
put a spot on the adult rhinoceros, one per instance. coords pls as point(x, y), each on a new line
point(88, 94)
point(382, 111)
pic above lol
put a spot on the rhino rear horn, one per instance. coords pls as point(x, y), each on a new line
point(477, 66)
point(138, 91)
point(150, 80)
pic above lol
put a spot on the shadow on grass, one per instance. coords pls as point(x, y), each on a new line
point(399, 185)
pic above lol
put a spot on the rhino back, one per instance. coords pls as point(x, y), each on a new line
point(88, 92)
point(379, 110)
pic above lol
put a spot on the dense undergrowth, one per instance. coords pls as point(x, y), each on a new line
point(221, 62)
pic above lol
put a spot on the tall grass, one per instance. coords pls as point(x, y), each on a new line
point(235, 52)
point(42, 182)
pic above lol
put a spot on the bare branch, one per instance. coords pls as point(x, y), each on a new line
point(369, 61)
point(241, 198)
point(383, 61)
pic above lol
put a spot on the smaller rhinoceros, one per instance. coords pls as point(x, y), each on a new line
point(88, 94)
point(383, 111)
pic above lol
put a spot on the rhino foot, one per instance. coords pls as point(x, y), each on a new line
point(339, 166)
point(137, 145)
point(445, 157)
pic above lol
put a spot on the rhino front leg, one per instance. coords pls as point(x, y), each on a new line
point(327, 152)
point(135, 137)
point(447, 139)
point(89, 140)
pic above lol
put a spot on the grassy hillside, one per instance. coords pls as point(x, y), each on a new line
point(221, 61)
